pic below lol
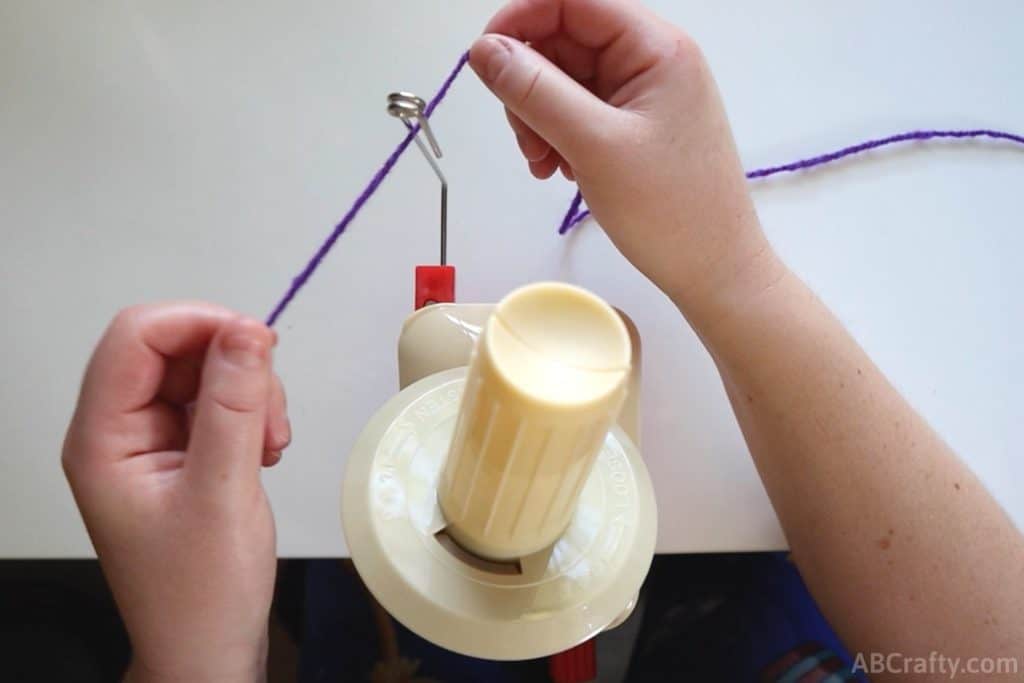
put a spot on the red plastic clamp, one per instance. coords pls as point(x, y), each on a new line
point(434, 285)
point(576, 665)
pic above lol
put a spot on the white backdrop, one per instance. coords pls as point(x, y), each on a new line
point(153, 150)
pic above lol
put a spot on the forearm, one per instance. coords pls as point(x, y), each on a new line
point(901, 545)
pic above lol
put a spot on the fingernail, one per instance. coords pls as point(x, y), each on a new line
point(246, 344)
point(494, 54)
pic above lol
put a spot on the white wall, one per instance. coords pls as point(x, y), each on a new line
point(152, 150)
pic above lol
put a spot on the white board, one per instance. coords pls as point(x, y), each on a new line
point(153, 150)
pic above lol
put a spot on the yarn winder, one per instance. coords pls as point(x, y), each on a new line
point(498, 505)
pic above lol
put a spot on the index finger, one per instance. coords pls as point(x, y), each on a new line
point(605, 44)
point(127, 367)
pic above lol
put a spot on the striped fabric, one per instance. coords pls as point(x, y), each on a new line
point(808, 663)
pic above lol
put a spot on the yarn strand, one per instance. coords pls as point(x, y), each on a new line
point(300, 280)
point(575, 216)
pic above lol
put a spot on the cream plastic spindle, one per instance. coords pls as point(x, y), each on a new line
point(545, 384)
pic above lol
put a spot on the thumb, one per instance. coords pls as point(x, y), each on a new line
point(234, 390)
point(567, 115)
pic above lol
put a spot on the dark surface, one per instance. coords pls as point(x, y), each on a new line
point(58, 623)
point(704, 618)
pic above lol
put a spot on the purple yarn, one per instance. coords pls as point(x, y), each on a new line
point(574, 217)
point(570, 215)
point(303, 277)
point(881, 142)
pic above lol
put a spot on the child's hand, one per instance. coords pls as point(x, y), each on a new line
point(178, 409)
point(624, 102)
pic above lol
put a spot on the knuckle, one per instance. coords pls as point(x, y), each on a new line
point(237, 396)
point(73, 463)
point(70, 451)
point(687, 47)
point(68, 465)
point(127, 322)
point(685, 51)
point(530, 86)
point(236, 402)
point(128, 316)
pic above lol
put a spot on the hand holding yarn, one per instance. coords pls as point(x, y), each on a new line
point(178, 410)
point(624, 102)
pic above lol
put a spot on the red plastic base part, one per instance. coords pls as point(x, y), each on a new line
point(577, 665)
point(434, 285)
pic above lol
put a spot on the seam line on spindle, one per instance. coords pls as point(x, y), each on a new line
point(485, 442)
point(516, 442)
point(457, 447)
point(544, 445)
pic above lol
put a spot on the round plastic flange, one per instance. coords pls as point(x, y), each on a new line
point(539, 605)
